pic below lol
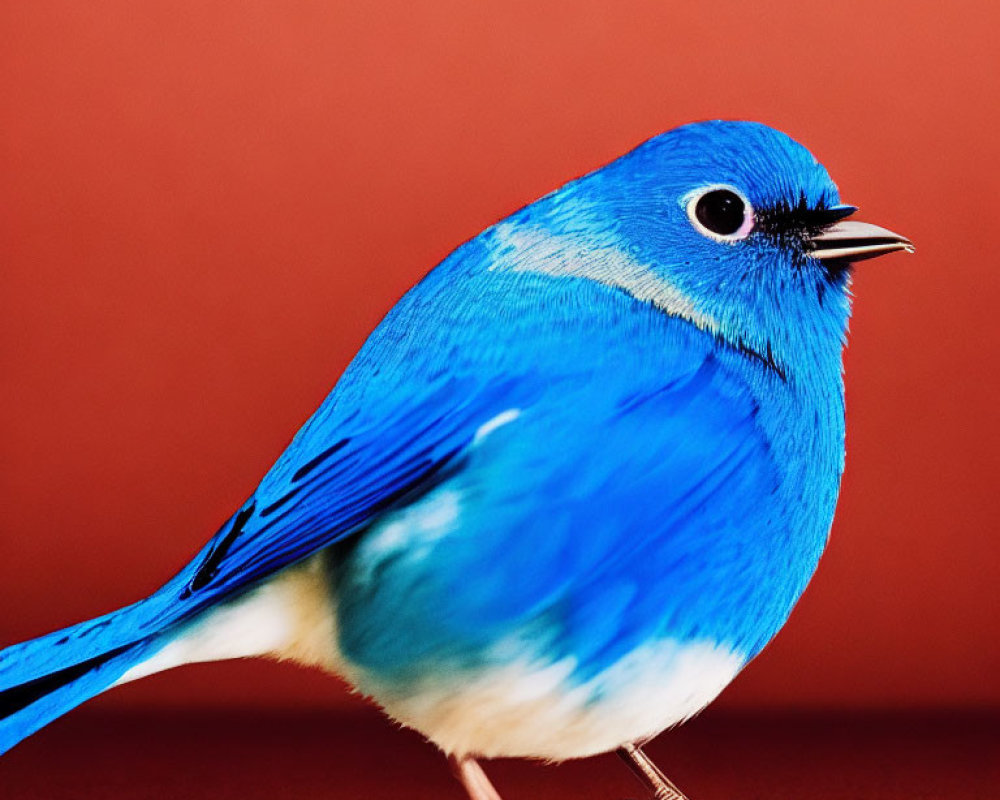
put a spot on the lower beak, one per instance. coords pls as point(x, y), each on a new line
point(855, 241)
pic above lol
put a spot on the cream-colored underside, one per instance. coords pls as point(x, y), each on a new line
point(522, 707)
point(528, 709)
point(289, 617)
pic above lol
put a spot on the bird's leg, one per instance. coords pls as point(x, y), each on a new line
point(468, 771)
point(649, 774)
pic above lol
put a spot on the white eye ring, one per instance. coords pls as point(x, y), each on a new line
point(720, 212)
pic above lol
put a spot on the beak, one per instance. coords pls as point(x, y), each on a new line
point(847, 240)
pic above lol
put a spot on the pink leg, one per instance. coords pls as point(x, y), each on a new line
point(468, 771)
point(649, 774)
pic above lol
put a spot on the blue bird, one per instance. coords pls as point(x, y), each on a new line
point(569, 487)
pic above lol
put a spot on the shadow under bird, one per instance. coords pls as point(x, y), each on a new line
point(569, 487)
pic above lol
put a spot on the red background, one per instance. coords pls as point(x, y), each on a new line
point(205, 206)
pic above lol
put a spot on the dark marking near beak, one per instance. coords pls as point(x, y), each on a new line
point(822, 217)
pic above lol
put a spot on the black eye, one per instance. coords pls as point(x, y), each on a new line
point(721, 211)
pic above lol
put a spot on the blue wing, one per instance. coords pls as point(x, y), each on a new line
point(340, 474)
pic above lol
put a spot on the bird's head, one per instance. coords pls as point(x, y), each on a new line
point(732, 225)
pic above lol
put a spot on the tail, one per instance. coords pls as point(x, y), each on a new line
point(44, 678)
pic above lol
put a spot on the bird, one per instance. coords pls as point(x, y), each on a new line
point(569, 487)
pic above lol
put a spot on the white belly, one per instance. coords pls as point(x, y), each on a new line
point(524, 708)
point(531, 710)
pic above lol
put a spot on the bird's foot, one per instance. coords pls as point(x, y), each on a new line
point(478, 786)
point(649, 774)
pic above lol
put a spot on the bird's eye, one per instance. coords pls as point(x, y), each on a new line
point(720, 213)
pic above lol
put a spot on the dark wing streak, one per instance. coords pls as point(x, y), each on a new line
point(349, 488)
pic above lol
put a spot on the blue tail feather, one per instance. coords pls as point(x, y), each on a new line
point(44, 678)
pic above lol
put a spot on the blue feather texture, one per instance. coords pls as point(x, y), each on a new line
point(591, 430)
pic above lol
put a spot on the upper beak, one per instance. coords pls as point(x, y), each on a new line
point(855, 241)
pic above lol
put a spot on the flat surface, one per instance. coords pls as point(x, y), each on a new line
point(360, 755)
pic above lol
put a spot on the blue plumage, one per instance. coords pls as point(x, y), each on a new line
point(609, 425)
